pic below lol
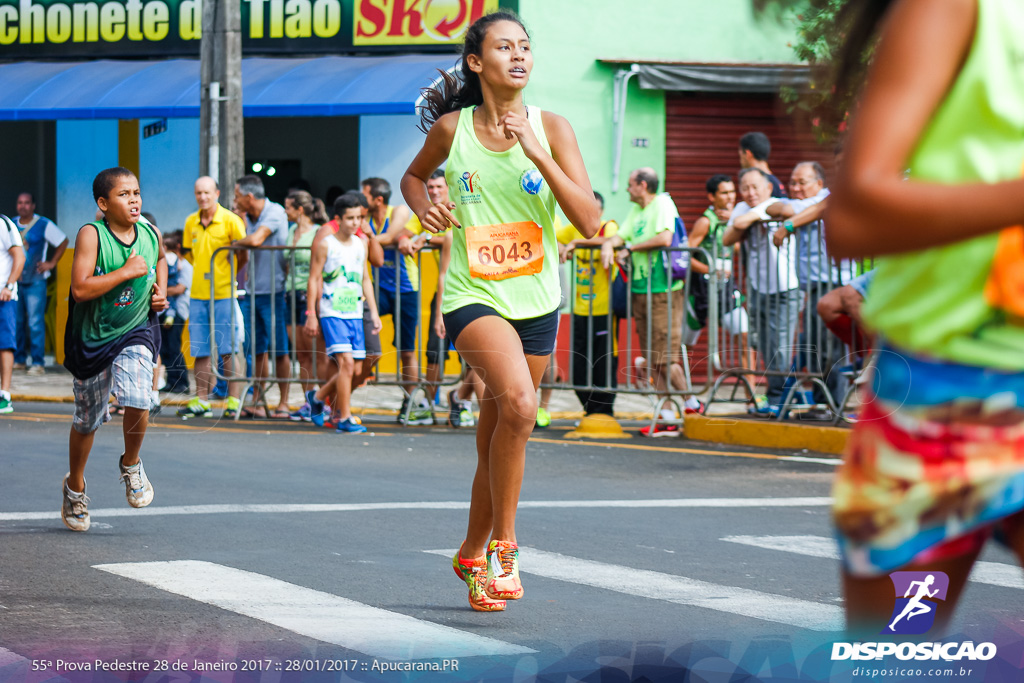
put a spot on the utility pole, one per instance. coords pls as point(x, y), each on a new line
point(221, 136)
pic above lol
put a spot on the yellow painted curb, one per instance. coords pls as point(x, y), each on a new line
point(766, 433)
point(29, 398)
point(598, 427)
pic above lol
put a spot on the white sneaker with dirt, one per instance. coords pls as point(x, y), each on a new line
point(75, 509)
point(137, 488)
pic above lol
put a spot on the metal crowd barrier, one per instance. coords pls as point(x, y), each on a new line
point(249, 379)
point(769, 326)
point(761, 323)
point(658, 341)
point(422, 386)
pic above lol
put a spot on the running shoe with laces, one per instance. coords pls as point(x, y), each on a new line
point(502, 582)
point(349, 426)
point(699, 410)
point(760, 406)
point(543, 418)
point(474, 573)
point(196, 407)
point(316, 409)
point(454, 409)
point(422, 414)
point(6, 404)
point(75, 508)
point(660, 430)
point(466, 416)
point(303, 414)
point(137, 488)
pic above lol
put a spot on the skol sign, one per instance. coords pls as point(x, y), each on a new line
point(415, 22)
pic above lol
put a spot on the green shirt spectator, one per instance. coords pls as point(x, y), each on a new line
point(640, 225)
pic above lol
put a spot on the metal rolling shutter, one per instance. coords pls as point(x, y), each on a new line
point(702, 139)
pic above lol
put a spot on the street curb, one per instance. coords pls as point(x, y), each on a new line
point(30, 398)
point(766, 433)
point(557, 415)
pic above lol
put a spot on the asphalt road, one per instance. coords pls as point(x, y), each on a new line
point(301, 555)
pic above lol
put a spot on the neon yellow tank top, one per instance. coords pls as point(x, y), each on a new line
point(506, 255)
point(939, 302)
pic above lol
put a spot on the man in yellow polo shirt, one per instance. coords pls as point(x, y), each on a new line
point(206, 231)
point(590, 316)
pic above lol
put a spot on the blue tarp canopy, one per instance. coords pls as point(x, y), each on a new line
point(315, 86)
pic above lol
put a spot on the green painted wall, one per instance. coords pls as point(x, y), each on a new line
point(570, 36)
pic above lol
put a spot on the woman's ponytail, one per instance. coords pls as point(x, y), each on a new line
point(454, 92)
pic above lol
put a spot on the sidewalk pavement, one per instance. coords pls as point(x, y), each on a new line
point(723, 423)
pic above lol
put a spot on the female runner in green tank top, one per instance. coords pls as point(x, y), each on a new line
point(507, 166)
point(932, 183)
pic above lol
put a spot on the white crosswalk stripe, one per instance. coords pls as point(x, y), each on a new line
point(289, 508)
point(329, 618)
point(991, 573)
point(7, 658)
point(678, 589)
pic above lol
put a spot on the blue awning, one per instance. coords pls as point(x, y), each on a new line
point(315, 86)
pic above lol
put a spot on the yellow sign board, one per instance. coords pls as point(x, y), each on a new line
point(415, 22)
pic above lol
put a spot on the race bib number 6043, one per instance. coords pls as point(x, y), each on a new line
point(498, 252)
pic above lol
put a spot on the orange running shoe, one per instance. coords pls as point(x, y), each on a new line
point(503, 571)
point(473, 572)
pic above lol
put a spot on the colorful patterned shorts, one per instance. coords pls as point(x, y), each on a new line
point(916, 486)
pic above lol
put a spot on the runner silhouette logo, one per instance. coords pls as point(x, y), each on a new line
point(917, 600)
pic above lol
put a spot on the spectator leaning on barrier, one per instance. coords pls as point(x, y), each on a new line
point(207, 230)
point(755, 148)
point(437, 346)
point(179, 282)
point(12, 259)
point(707, 233)
point(815, 270)
point(648, 227)
point(39, 235)
point(398, 281)
point(840, 311)
point(774, 298)
point(590, 316)
point(306, 215)
point(460, 399)
point(265, 309)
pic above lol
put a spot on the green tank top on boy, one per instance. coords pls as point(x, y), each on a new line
point(506, 255)
point(127, 305)
point(933, 301)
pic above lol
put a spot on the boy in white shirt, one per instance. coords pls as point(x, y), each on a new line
point(12, 259)
point(339, 286)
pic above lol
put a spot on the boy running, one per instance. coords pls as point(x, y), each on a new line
point(340, 281)
point(118, 283)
